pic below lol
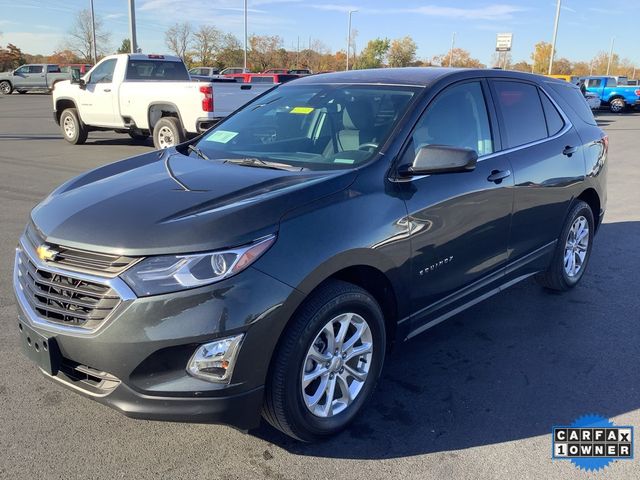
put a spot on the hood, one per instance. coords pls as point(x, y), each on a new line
point(165, 202)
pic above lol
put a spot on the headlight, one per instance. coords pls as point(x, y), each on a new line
point(169, 273)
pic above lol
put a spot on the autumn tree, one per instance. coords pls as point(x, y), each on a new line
point(207, 42)
point(11, 57)
point(460, 58)
point(540, 57)
point(231, 52)
point(125, 47)
point(374, 54)
point(402, 52)
point(521, 66)
point(178, 38)
point(80, 39)
point(562, 66)
point(581, 69)
point(502, 60)
point(63, 56)
point(263, 50)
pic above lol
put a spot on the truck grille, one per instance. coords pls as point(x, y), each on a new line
point(82, 260)
point(63, 299)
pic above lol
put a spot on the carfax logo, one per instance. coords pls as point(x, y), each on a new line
point(592, 442)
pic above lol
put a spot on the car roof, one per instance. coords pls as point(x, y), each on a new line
point(418, 76)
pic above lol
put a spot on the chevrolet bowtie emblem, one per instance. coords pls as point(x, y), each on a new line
point(46, 254)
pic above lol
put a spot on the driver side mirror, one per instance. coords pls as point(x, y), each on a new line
point(78, 80)
point(432, 159)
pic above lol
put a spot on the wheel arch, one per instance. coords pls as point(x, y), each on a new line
point(591, 198)
point(158, 110)
point(62, 104)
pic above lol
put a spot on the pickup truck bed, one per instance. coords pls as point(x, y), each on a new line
point(145, 95)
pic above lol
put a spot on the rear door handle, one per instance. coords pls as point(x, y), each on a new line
point(498, 175)
point(568, 150)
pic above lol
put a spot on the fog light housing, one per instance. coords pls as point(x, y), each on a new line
point(214, 361)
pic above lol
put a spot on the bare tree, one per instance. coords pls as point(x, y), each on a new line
point(178, 38)
point(231, 53)
point(207, 42)
point(80, 39)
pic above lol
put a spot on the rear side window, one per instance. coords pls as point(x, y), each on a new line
point(522, 112)
point(156, 70)
point(554, 119)
point(35, 69)
point(611, 82)
point(457, 117)
point(576, 101)
point(594, 82)
point(53, 69)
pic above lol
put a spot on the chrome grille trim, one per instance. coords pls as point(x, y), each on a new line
point(105, 295)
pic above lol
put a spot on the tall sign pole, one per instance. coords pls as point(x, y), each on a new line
point(555, 35)
point(453, 44)
point(245, 35)
point(132, 27)
point(613, 39)
point(93, 34)
point(351, 12)
point(503, 46)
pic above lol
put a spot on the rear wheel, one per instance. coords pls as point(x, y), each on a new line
point(572, 251)
point(327, 363)
point(5, 88)
point(168, 132)
point(617, 105)
point(73, 130)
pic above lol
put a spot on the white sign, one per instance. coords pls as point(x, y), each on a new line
point(503, 42)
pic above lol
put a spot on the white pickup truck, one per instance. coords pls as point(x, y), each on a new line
point(145, 95)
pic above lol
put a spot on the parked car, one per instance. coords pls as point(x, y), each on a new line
point(269, 78)
point(300, 71)
point(593, 100)
point(617, 97)
point(145, 95)
point(39, 76)
point(268, 266)
point(77, 69)
point(276, 70)
point(234, 70)
point(567, 78)
point(204, 71)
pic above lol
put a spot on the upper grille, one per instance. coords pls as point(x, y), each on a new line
point(63, 299)
point(82, 260)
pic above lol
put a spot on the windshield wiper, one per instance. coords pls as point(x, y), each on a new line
point(197, 151)
point(256, 162)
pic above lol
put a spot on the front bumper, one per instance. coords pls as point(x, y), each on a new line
point(135, 362)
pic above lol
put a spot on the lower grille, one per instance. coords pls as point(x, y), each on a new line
point(63, 299)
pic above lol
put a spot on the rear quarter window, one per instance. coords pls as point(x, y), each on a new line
point(572, 96)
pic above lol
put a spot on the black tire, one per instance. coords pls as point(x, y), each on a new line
point(556, 276)
point(6, 88)
point(617, 105)
point(21, 92)
point(77, 132)
point(284, 406)
point(168, 132)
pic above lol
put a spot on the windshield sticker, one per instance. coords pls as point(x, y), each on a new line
point(344, 160)
point(221, 136)
point(302, 110)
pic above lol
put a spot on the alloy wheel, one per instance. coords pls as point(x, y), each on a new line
point(337, 365)
point(576, 247)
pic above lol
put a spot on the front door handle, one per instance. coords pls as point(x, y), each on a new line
point(498, 175)
point(568, 150)
point(107, 90)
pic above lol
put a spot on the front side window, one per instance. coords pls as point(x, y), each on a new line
point(316, 127)
point(457, 117)
point(522, 114)
point(103, 73)
point(22, 70)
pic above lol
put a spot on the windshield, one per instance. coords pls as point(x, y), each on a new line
point(311, 126)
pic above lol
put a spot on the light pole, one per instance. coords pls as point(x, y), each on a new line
point(132, 27)
point(93, 34)
point(351, 12)
point(453, 43)
point(613, 39)
point(555, 35)
point(245, 34)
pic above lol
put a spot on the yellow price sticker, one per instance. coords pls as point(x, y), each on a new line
point(301, 110)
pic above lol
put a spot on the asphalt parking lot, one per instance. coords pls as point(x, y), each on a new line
point(473, 398)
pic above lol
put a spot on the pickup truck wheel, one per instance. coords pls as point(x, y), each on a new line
point(73, 130)
point(572, 250)
point(5, 88)
point(327, 363)
point(168, 132)
point(617, 105)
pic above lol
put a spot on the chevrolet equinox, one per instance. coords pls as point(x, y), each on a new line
point(266, 267)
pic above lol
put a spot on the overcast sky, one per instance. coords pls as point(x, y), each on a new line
point(586, 26)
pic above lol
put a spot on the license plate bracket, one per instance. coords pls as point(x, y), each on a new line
point(41, 349)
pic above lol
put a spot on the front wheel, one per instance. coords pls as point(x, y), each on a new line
point(5, 88)
point(73, 130)
point(327, 364)
point(167, 133)
point(572, 251)
point(617, 105)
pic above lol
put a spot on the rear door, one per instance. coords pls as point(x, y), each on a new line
point(459, 221)
point(548, 165)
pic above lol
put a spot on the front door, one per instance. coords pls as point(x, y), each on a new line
point(29, 77)
point(96, 100)
point(459, 221)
